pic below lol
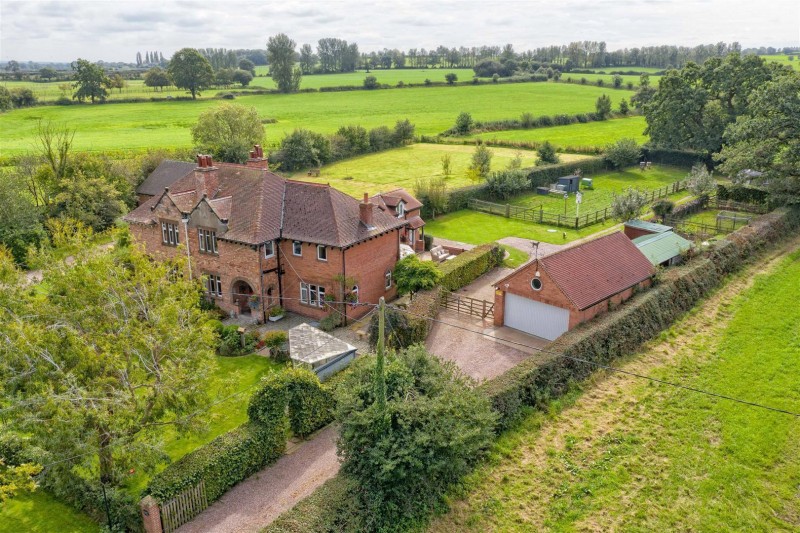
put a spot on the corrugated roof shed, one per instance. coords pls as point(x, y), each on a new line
point(652, 227)
point(662, 247)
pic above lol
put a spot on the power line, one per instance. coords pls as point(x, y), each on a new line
point(607, 367)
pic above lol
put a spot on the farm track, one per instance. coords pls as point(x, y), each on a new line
point(605, 404)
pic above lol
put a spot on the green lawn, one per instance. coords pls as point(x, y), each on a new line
point(608, 80)
point(473, 227)
point(575, 135)
point(402, 167)
point(606, 184)
point(40, 512)
point(515, 257)
point(783, 59)
point(637, 456)
point(166, 124)
point(356, 79)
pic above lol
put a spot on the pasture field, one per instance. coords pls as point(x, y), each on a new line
point(783, 59)
point(629, 455)
point(138, 126)
point(40, 512)
point(473, 227)
point(608, 79)
point(588, 134)
point(606, 184)
point(402, 167)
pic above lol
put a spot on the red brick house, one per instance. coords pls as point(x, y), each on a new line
point(260, 240)
point(551, 295)
point(401, 204)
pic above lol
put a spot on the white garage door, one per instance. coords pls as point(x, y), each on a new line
point(536, 318)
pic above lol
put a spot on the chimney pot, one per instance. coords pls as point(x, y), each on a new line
point(201, 161)
point(252, 154)
point(366, 198)
point(209, 162)
point(365, 212)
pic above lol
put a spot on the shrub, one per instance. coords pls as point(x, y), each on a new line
point(5, 99)
point(700, 181)
point(663, 208)
point(603, 106)
point(628, 205)
point(451, 78)
point(330, 322)
point(23, 97)
point(275, 338)
point(412, 275)
point(463, 123)
point(230, 341)
point(481, 161)
point(381, 138)
point(623, 153)
point(470, 265)
point(303, 149)
point(504, 184)
point(547, 154)
point(277, 311)
point(495, 77)
point(527, 120)
point(403, 329)
point(740, 193)
point(268, 404)
point(371, 82)
point(433, 430)
point(310, 404)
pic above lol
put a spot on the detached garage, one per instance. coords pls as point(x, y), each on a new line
point(550, 296)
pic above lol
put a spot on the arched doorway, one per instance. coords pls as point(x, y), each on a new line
point(242, 291)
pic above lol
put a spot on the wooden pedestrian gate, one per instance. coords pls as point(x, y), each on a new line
point(467, 305)
point(183, 507)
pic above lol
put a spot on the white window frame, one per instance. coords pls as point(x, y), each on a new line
point(321, 294)
point(401, 209)
point(269, 249)
point(313, 295)
point(411, 235)
point(304, 293)
point(387, 284)
point(170, 234)
point(214, 285)
point(355, 291)
point(207, 240)
point(322, 252)
point(297, 248)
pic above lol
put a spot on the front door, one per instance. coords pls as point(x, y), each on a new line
point(242, 293)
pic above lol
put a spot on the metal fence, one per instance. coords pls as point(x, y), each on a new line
point(539, 215)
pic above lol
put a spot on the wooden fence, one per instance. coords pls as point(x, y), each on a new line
point(539, 215)
point(467, 305)
point(183, 507)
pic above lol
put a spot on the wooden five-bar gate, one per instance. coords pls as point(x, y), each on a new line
point(183, 507)
point(467, 305)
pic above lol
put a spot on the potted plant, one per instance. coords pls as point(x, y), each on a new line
point(276, 313)
point(253, 301)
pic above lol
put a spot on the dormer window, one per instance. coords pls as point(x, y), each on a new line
point(207, 240)
point(170, 235)
point(401, 209)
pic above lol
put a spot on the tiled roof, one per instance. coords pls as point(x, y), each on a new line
point(652, 227)
point(392, 198)
point(261, 206)
point(662, 246)
point(595, 270)
point(165, 174)
point(415, 222)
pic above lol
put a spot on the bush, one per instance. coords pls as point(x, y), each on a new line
point(428, 239)
point(275, 339)
point(623, 153)
point(5, 99)
point(547, 154)
point(700, 181)
point(603, 106)
point(371, 82)
point(330, 322)
point(303, 149)
point(311, 404)
point(381, 138)
point(470, 265)
point(463, 123)
point(403, 329)
point(740, 193)
point(504, 184)
point(433, 430)
point(23, 97)
point(412, 275)
point(451, 78)
point(230, 341)
point(268, 404)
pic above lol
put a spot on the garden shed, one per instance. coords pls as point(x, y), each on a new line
point(636, 228)
point(664, 249)
point(569, 183)
point(549, 296)
point(318, 351)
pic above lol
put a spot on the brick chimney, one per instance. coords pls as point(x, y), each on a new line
point(365, 211)
point(257, 159)
point(206, 179)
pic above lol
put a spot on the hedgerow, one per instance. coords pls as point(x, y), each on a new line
point(741, 193)
point(470, 265)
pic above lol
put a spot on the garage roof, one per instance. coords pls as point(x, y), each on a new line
point(662, 246)
point(595, 270)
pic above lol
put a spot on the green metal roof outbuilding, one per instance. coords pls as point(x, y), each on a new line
point(662, 248)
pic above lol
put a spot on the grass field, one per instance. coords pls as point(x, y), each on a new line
point(166, 124)
point(630, 455)
point(402, 167)
point(589, 134)
point(40, 512)
point(783, 59)
point(473, 227)
point(606, 184)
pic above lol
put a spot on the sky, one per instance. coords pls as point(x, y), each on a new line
point(61, 31)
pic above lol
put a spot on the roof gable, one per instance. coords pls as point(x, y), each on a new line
point(164, 175)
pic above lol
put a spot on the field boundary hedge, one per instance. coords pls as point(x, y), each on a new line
point(470, 265)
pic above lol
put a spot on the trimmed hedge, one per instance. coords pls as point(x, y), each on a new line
point(741, 193)
point(678, 158)
point(222, 463)
point(332, 507)
point(469, 265)
point(538, 379)
point(311, 404)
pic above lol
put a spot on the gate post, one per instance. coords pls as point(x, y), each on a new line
point(151, 515)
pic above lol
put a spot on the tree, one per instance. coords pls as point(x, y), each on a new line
point(546, 154)
point(189, 70)
point(404, 452)
point(242, 77)
point(92, 201)
point(623, 153)
point(767, 139)
point(228, 131)
point(355, 140)
point(463, 123)
point(446, 162)
point(223, 77)
point(90, 81)
point(624, 109)
point(48, 73)
point(663, 208)
point(157, 77)
point(303, 149)
point(403, 132)
point(516, 161)
point(371, 82)
point(603, 107)
point(116, 348)
point(280, 51)
point(22, 97)
point(307, 59)
point(5, 99)
point(617, 81)
point(700, 182)
point(249, 66)
point(20, 219)
point(412, 275)
point(16, 478)
point(13, 67)
point(628, 205)
point(451, 78)
point(481, 160)
point(507, 183)
point(117, 82)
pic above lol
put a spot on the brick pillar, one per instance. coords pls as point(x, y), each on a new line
point(499, 307)
point(151, 515)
